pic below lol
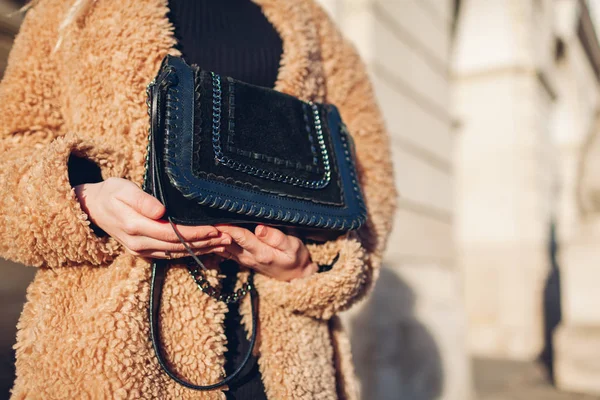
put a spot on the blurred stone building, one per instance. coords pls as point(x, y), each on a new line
point(526, 76)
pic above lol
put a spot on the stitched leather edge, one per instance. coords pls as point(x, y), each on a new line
point(314, 168)
point(217, 116)
point(258, 209)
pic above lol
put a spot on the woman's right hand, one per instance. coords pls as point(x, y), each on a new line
point(132, 216)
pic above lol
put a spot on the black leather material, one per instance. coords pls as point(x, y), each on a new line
point(238, 153)
point(223, 151)
point(154, 185)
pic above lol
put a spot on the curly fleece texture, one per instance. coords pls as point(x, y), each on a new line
point(83, 332)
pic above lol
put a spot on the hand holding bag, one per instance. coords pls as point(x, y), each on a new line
point(224, 151)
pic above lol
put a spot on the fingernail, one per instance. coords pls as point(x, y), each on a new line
point(214, 234)
point(226, 240)
point(261, 231)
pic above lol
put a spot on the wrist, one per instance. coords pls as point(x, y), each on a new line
point(82, 193)
point(310, 269)
point(296, 273)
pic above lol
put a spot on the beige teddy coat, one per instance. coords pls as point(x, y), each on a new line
point(83, 333)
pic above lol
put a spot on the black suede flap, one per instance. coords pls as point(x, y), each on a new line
point(253, 153)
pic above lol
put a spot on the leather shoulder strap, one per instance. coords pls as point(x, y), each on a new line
point(159, 268)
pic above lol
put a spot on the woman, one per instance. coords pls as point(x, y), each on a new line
point(73, 133)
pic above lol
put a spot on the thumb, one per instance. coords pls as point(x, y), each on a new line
point(142, 202)
point(149, 206)
point(271, 236)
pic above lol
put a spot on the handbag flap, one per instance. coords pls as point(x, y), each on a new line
point(255, 151)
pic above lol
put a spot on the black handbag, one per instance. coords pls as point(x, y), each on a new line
point(224, 151)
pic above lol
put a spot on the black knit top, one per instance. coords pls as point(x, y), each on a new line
point(232, 38)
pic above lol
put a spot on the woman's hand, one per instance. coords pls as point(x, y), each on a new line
point(269, 251)
point(132, 217)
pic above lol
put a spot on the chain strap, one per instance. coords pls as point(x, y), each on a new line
point(216, 293)
point(260, 172)
point(195, 266)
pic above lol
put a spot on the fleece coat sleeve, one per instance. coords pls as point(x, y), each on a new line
point(41, 221)
point(358, 253)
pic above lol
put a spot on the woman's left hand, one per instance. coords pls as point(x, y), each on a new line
point(269, 251)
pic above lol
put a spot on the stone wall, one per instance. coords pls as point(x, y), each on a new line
point(528, 212)
point(504, 94)
point(577, 340)
point(409, 338)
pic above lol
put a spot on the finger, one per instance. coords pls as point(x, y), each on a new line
point(260, 258)
point(173, 255)
point(142, 202)
point(134, 224)
point(240, 256)
point(141, 244)
point(273, 237)
point(198, 232)
point(242, 236)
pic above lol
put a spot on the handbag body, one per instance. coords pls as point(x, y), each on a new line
point(224, 151)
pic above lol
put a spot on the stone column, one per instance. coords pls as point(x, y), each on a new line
point(577, 339)
point(503, 96)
